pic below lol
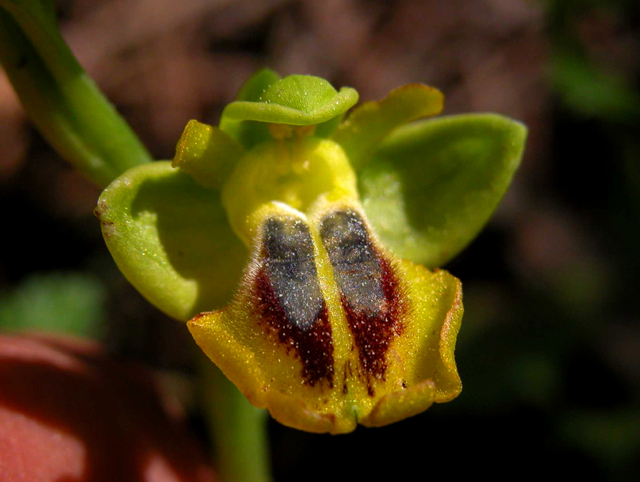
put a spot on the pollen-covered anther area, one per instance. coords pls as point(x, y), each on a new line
point(370, 292)
point(288, 298)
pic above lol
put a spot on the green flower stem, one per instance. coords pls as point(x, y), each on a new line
point(62, 101)
point(238, 428)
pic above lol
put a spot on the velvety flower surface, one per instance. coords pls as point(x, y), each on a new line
point(304, 246)
point(68, 412)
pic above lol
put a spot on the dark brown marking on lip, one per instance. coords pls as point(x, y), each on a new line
point(289, 299)
point(370, 292)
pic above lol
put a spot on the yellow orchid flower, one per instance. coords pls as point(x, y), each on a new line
point(303, 248)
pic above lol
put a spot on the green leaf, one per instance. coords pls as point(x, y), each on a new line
point(171, 239)
point(371, 122)
point(70, 303)
point(207, 153)
point(431, 186)
point(297, 100)
point(61, 100)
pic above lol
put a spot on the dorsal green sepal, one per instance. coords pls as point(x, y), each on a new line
point(297, 100)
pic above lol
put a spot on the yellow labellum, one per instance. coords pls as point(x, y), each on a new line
point(328, 328)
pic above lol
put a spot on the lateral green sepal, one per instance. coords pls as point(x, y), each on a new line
point(171, 239)
point(431, 186)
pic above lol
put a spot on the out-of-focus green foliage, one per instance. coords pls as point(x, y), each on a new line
point(591, 91)
point(70, 303)
point(586, 86)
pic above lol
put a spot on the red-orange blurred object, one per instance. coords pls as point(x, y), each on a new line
point(69, 413)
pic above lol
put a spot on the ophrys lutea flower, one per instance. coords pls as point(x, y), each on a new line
point(304, 247)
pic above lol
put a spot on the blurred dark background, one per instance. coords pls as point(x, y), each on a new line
point(549, 351)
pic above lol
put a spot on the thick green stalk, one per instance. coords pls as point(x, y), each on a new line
point(61, 100)
point(238, 428)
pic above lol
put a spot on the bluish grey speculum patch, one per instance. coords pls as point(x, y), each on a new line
point(290, 265)
point(289, 299)
point(355, 262)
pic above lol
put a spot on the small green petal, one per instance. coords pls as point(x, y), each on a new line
point(171, 239)
point(207, 153)
point(371, 122)
point(431, 186)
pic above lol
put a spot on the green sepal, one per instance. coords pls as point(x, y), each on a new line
point(371, 122)
point(297, 100)
point(257, 84)
point(431, 186)
point(171, 239)
point(207, 153)
point(250, 133)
